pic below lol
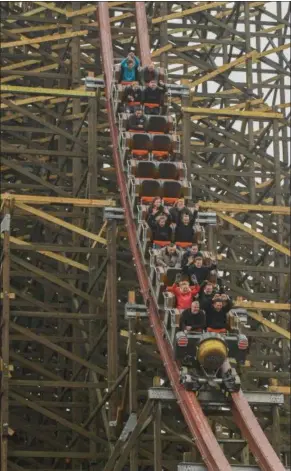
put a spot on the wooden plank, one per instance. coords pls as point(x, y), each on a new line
point(55, 280)
point(51, 6)
point(19, 65)
point(90, 9)
point(286, 390)
point(189, 11)
point(81, 202)
point(27, 101)
point(47, 91)
point(48, 253)
point(271, 325)
point(228, 112)
point(224, 68)
point(43, 39)
point(52, 346)
point(53, 416)
point(255, 234)
point(245, 208)
point(263, 306)
point(11, 295)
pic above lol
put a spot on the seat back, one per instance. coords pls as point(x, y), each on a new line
point(143, 169)
point(140, 141)
point(149, 188)
point(168, 170)
point(157, 124)
point(172, 189)
point(161, 142)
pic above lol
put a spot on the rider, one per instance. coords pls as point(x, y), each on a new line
point(129, 68)
point(193, 319)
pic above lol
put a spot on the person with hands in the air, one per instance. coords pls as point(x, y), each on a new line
point(129, 68)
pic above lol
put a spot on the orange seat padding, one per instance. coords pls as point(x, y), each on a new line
point(184, 244)
point(133, 103)
point(152, 105)
point(170, 200)
point(147, 199)
point(160, 153)
point(123, 82)
point(139, 152)
point(217, 331)
point(162, 243)
point(135, 131)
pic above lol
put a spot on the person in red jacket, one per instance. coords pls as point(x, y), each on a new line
point(184, 294)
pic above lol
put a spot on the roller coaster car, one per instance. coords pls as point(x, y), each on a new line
point(148, 188)
point(159, 170)
point(202, 355)
point(154, 124)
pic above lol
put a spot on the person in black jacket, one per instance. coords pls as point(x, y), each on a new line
point(216, 311)
point(206, 293)
point(132, 97)
point(161, 231)
point(157, 209)
point(137, 121)
point(153, 94)
point(189, 254)
point(149, 73)
point(184, 230)
point(193, 318)
point(179, 209)
point(196, 271)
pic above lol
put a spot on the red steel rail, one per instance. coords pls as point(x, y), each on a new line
point(190, 407)
point(259, 444)
point(243, 414)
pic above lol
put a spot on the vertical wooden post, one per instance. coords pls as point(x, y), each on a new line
point(158, 432)
point(112, 339)
point(4, 357)
point(132, 357)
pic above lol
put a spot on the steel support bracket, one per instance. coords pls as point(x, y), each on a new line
point(207, 218)
point(5, 223)
point(133, 311)
point(93, 83)
point(129, 427)
point(113, 213)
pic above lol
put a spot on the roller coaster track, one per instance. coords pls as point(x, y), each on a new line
point(203, 436)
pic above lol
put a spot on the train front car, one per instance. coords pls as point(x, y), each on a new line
point(206, 358)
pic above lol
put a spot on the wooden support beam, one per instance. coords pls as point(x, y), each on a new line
point(55, 280)
point(47, 91)
point(263, 306)
point(253, 233)
point(61, 223)
point(43, 39)
point(223, 68)
point(188, 12)
point(271, 325)
point(39, 200)
point(11, 295)
point(286, 390)
point(259, 115)
point(62, 351)
point(245, 208)
point(48, 253)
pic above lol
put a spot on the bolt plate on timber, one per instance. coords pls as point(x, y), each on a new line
point(129, 426)
point(133, 311)
point(160, 393)
point(92, 83)
point(113, 213)
point(207, 218)
point(5, 223)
